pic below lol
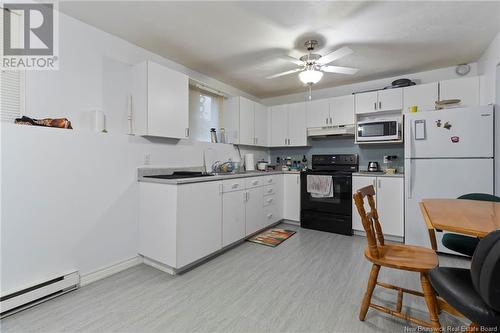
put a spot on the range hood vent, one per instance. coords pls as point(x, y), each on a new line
point(347, 130)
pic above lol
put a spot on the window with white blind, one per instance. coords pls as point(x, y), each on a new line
point(11, 81)
point(205, 112)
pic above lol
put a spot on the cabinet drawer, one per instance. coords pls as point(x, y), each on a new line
point(254, 182)
point(233, 185)
point(269, 190)
point(269, 200)
point(270, 215)
point(268, 180)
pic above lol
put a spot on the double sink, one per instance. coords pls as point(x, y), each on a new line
point(189, 174)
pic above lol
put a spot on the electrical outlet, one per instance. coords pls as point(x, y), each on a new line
point(147, 159)
point(386, 159)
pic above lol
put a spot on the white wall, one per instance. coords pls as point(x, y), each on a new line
point(421, 77)
point(69, 198)
point(488, 66)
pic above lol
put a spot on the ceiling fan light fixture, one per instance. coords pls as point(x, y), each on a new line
point(310, 76)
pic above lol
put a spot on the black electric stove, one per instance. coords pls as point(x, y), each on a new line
point(331, 213)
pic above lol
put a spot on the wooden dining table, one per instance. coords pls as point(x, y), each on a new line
point(468, 217)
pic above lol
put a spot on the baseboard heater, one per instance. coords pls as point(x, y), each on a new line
point(38, 293)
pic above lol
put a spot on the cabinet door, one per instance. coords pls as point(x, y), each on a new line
point(168, 102)
point(199, 221)
point(260, 125)
point(233, 217)
point(357, 183)
point(291, 197)
point(342, 110)
point(423, 96)
point(318, 113)
point(366, 102)
point(279, 126)
point(247, 121)
point(254, 212)
point(465, 89)
point(390, 99)
point(390, 205)
point(297, 120)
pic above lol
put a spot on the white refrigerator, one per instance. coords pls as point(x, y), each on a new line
point(448, 153)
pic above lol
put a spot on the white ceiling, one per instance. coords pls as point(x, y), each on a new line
point(240, 43)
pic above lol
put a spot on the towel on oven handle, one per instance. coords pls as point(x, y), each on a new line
point(320, 186)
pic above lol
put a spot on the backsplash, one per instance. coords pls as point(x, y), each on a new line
point(335, 145)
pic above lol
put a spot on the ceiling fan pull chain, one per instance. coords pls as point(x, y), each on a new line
point(310, 91)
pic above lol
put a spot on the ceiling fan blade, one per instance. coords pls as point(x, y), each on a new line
point(295, 54)
point(339, 69)
point(337, 54)
point(284, 73)
point(293, 60)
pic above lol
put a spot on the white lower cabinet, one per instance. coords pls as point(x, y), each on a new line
point(233, 216)
point(389, 200)
point(171, 232)
point(390, 204)
point(254, 212)
point(181, 224)
point(291, 197)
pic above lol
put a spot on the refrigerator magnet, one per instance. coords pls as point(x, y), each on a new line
point(438, 123)
point(447, 125)
point(455, 139)
point(420, 129)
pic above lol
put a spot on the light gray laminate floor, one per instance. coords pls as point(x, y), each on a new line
point(312, 282)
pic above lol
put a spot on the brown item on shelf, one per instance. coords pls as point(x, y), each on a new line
point(447, 103)
point(47, 122)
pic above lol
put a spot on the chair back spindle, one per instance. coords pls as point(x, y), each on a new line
point(370, 220)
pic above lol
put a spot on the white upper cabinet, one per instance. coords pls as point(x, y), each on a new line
point(390, 99)
point(247, 120)
point(366, 102)
point(382, 100)
point(465, 89)
point(335, 111)
point(342, 110)
point(261, 138)
point(423, 96)
point(288, 125)
point(318, 113)
point(160, 101)
point(279, 125)
point(297, 119)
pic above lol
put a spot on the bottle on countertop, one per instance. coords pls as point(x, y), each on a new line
point(213, 135)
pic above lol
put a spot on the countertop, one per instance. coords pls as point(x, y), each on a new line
point(377, 174)
point(152, 171)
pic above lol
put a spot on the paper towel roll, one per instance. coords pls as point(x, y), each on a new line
point(249, 162)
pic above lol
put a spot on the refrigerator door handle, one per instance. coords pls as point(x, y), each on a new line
point(409, 176)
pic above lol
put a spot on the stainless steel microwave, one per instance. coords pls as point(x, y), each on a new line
point(387, 129)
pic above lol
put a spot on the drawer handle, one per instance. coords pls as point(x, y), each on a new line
point(255, 182)
point(270, 200)
point(270, 180)
point(269, 190)
point(269, 216)
point(235, 186)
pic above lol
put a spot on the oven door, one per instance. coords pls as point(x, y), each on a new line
point(340, 203)
point(379, 130)
point(331, 214)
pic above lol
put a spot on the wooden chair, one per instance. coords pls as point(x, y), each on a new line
point(403, 257)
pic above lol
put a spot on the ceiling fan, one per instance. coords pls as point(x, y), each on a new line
point(312, 65)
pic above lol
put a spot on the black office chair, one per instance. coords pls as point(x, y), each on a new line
point(476, 292)
point(465, 244)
